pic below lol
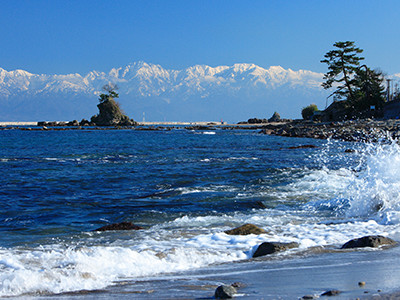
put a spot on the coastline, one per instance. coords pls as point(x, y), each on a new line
point(364, 130)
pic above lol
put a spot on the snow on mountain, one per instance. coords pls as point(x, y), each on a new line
point(152, 80)
point(148, 87)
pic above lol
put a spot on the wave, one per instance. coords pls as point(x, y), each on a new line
point(374, 190)
point(366, 187)
point(167, 248)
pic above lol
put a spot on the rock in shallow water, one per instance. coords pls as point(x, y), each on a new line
point(119, 226)
point(331, 293)
point(245, 230)
point(225, 292)
point(369, 241)
point(309, 297)
point(269, 248)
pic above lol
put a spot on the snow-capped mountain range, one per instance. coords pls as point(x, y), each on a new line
point(197, 93)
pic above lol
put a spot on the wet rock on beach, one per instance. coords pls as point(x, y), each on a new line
point(269, 248)
point(119, 226)
point(369, 241)
point(225, 292)
point(245, 229)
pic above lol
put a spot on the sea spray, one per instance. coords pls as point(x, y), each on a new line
point(374, 191)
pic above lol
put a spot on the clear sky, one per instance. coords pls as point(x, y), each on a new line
point(78, 36)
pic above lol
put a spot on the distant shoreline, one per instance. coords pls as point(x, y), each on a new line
point(363, 130)
point(157, 123)
point(18, 123)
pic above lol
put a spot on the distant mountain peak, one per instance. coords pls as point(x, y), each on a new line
point(145, 84)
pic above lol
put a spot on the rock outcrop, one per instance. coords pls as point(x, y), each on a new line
point(373, 241)
point(110, 114)
point(269, 248)
point(331, 293)
point(275, 118)
point(225, 292)
point(366, 130)
point(245, 229)
point(119, 226)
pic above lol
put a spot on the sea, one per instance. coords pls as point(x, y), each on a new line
point(185, 188)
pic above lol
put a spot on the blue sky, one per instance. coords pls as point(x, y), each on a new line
point(77, 36)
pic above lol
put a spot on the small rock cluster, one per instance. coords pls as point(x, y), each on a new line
point(276, 118)
point(109, 114)
point(73, 123)
point(266, 248)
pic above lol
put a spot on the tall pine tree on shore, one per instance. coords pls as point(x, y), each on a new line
point(343, 62)
point(358, 84)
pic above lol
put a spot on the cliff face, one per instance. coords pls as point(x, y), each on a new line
point(110, 114)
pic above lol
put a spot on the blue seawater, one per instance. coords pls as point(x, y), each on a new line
point(185, 188)
point(63, 182)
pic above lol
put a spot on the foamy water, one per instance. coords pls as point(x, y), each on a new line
point(344, 196)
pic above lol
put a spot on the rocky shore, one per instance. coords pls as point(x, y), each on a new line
point(360, 130)
point(365, 130)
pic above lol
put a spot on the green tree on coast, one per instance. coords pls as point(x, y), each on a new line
point(369, 89)
point(343, 63)
point(110, 88)
point(361, 87)
point(308, 111)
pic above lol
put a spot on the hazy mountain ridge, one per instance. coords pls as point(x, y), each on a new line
point(143, 86)
point(152, 80)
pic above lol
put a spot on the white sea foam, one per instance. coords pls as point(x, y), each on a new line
point(55, 269)
point(163, 249)
point(228, 159)
point(374, 191)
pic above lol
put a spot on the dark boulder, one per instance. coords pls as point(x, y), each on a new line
point(84, 122)
point(269, 248)
point(119, 226)
point(245, 230)
point(225, 292)
point(303, 147)
point(331, 293)
point(349, 151)
point(309, 297)
point(257, 121)
point(73, 123)
point(369, 241)
point(275, 118)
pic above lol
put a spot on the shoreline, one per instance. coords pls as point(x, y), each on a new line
point(304, 277)
point(364, 130)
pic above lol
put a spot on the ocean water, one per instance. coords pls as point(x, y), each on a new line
point(185, 188)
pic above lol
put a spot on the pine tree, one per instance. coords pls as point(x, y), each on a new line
point(369, 89)
point(343, 63)
point(110, 88)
